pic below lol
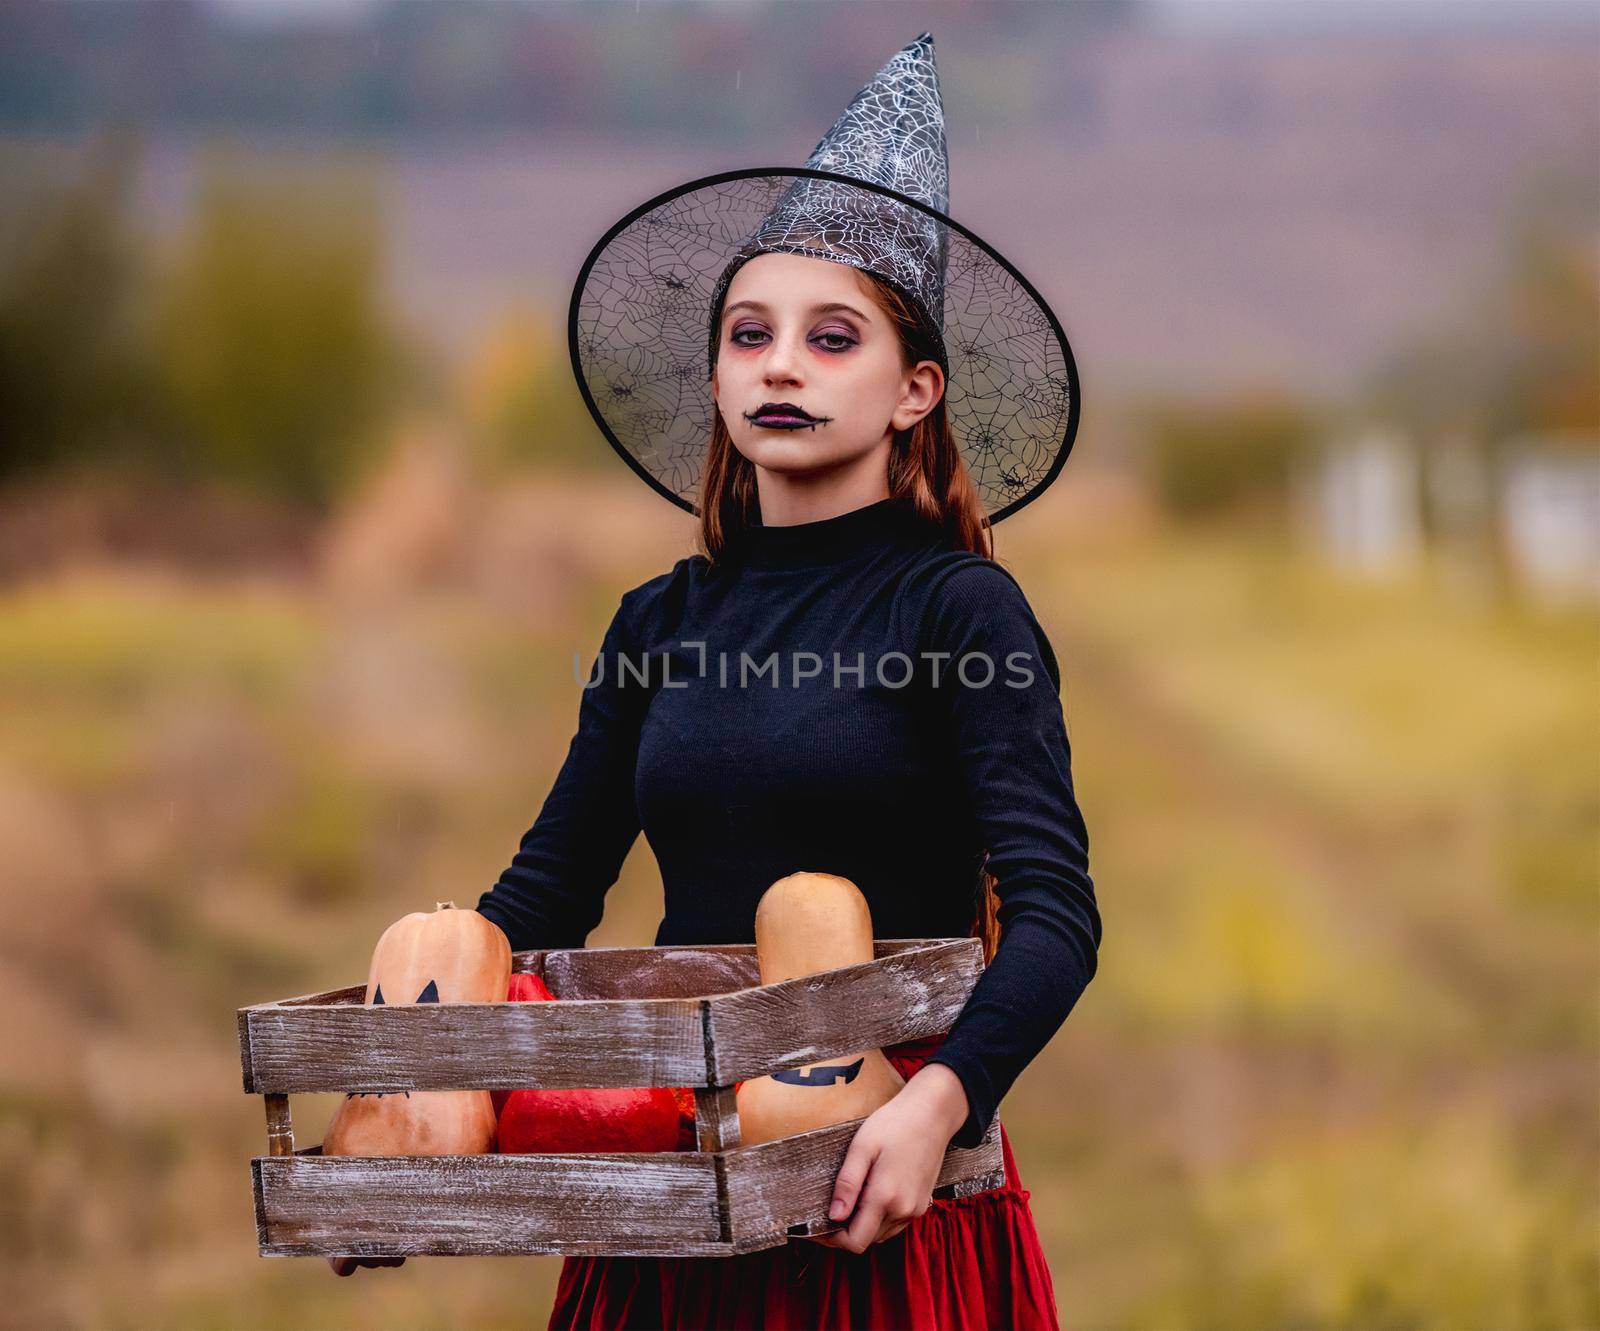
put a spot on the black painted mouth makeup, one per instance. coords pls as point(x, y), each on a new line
point(773, 421)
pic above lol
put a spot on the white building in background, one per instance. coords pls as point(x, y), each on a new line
point(1364, 502)
point(1549, 514)
point(1526, 512)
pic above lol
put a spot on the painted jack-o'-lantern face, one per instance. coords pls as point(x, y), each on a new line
point(824, 1074)
point(429, 995)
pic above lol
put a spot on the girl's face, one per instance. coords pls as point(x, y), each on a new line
point(801, 332)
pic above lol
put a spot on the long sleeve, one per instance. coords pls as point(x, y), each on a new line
point(1011, 746)
point(553, 892)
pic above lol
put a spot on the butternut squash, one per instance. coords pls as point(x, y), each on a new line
point(805, 923)
point(443, 956)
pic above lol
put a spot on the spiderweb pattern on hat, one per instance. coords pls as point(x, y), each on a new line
point(642, 305)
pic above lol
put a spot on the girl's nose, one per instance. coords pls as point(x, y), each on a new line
point(782, 362)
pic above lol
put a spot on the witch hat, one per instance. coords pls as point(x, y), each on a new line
point(646, 307)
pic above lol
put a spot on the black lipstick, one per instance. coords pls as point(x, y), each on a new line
point(783, 416)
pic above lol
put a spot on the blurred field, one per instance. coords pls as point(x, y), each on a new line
point(1338, 1068)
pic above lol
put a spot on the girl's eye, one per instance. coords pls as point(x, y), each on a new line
point(835, 341)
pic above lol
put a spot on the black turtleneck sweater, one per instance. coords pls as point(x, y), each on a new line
point(714, 719)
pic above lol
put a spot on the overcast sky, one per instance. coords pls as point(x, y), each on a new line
point(1242, 16)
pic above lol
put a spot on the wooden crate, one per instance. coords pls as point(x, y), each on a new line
point(650, 1016)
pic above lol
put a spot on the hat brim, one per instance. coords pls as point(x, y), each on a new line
point(639, 316)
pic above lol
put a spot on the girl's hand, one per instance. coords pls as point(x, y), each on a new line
point(343, 1266)
point(894, 1158)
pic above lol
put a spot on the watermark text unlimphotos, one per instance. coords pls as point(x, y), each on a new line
point(891, 670)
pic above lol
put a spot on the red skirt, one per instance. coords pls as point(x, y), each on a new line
point(966, 1264)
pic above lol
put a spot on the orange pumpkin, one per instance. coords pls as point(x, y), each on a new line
point(446, 956)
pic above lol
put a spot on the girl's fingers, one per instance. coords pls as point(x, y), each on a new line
point(344, 1266)
point(852, 1175)
point(835, 1239)
point(863, 1230)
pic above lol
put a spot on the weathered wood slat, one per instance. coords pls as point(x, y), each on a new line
point(716, 1118)
point(280, 1126)
point(672, 972)
point(637, 972)
point(881, 1002)
point(645, 1204)
point(486, 1205)
point(465, 1046)
point(351, 993)
point(623, 972)
point(914, 988)
point(773, 1186)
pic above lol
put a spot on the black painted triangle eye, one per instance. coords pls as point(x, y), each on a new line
point(430, 994)
point(377, 996)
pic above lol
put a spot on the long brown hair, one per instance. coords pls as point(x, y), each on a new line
point(927, 474)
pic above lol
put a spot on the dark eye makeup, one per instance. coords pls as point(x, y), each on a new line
point(837, 340)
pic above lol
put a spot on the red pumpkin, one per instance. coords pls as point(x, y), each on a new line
point(524, 987)
point(535, 1120)
point(634, 1118)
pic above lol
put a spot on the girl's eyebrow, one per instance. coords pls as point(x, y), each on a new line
point(828, 308)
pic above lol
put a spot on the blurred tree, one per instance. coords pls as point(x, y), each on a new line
point(1222, 457)
point(521, 403)
point(74, 376)
point(274, 352)
point(1515, 358)
point(1520, 352)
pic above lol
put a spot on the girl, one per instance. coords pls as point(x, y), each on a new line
point(840, 679)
